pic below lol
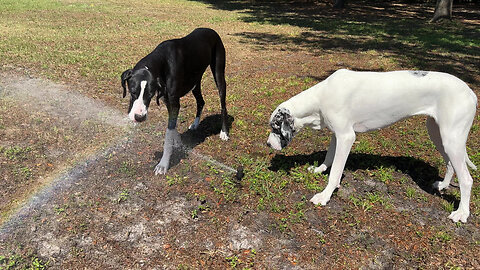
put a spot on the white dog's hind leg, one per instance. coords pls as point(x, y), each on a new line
point(455, 149)
point(344, 143)
point(434, 132)
point(465, 181)
point(328, 158)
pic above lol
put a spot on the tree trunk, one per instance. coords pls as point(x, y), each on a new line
point(339, 3)
point(443, 9)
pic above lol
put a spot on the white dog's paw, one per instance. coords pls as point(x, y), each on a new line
point(320, 198)
point(461, 215)
point(161, 168)
point(319, 169)
point(440, 185)
point(223, 136)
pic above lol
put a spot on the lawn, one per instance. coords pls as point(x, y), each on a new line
point(198, 216)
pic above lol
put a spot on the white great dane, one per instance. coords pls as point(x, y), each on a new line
point(349, 101)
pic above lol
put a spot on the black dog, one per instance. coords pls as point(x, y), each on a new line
point(173, 69)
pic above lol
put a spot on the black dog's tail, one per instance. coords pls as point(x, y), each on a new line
point(218, 65)
point(218, 69)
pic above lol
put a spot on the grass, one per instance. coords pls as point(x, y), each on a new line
point(369, 201)
point(16, 261)
point(271, 55)
point(16, 152)
point(124, 195)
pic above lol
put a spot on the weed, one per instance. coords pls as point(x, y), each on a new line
point(447, 206)
point(310, 180)
point(422, 197)
point(370, 201)
point(363, 146)
point(202, 208)
point(22, 262)
point(38, 264)
point(194, 213)
point(127, 169)
point(321, 239)
point(410, 192)
point(403, 180)
point(282, 224)
point(385, 175)
point(227, 188)
point(452, 266)
point(443, 237)
point(123, 196)
point(182, 267)
point(60, 209)
point(175, 179)
point(16, 152)
point(10, 262)
point(233, 261)
point(23, 172)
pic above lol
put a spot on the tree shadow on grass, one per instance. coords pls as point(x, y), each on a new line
point(209, 126)
point(399, 28)
point(422, 173)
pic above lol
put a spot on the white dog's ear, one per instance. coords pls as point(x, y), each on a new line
point(287, 124)
point(287, 131)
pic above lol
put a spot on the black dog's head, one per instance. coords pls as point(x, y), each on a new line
point(283, 129)
point(142, 87)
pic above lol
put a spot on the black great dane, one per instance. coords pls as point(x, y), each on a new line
point(173, 69)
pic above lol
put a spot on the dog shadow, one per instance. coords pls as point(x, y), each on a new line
point(422, 173)
point(209, 126)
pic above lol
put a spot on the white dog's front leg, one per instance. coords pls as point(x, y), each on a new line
point(328, 158)
point(172, 138)
point(344, 143)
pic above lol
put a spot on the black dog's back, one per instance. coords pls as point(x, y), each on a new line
point(188, 55)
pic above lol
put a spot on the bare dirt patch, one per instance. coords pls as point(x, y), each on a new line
point(46, 129)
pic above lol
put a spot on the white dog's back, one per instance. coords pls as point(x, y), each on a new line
point(379, 99)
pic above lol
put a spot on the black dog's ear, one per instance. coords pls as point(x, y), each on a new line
point(160, 90)
point(125, 76)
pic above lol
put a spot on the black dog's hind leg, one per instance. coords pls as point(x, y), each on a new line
point(218, 69)
point(197, 93)
point(172, 137)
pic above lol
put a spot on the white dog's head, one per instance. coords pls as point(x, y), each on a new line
point(283, 129)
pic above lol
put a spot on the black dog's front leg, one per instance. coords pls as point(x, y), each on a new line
point(172, 137)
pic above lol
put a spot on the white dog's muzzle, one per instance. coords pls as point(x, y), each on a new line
point(274, 141)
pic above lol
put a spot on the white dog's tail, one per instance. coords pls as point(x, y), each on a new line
point(470, 163)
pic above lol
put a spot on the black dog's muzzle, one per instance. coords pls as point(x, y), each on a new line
point(140, 118)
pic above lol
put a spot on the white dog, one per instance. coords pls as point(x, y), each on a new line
point(349, 101)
